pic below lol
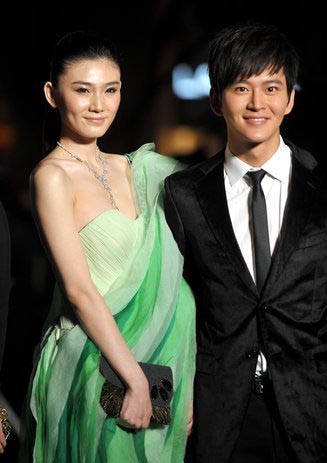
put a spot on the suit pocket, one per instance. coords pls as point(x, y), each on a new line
point(205, 363)
point(312, 240)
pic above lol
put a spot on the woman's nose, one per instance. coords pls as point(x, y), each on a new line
point(96, 104)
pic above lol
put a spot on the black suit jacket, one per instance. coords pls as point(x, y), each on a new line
point(290, 315)
point(5, 259)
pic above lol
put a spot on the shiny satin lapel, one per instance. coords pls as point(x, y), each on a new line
point(296, 215)
point(212, 198)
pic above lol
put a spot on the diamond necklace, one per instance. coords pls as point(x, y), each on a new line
point(102, 178)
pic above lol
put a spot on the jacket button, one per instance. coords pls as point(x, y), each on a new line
point(251, 353)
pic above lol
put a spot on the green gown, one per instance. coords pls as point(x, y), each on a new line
point(137, 268)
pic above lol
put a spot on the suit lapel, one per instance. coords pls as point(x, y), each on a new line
point(296, 215)
point(211, 195)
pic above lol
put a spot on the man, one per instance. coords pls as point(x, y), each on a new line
point(5, 253)
point(255, 254)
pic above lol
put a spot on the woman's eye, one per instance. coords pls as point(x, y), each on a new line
point(82, 90)
point(111, 90)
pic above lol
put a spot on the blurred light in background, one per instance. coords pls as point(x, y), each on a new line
point(7, 136)
point(189, 84)
point(184, 140)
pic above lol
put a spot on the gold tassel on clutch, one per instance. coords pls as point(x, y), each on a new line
point(111, 399)
point(160, 380)
point(160, 415)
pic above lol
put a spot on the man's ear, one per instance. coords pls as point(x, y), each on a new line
point(214, 103)
point(50, 94)
point(290, 103)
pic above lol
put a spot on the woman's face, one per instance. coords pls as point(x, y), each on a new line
point(87, 97)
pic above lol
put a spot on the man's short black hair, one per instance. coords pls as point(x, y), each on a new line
point(246, 49)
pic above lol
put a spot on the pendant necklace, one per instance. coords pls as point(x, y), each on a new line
point(102, 178)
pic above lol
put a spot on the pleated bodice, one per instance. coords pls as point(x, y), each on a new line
point(110, 242)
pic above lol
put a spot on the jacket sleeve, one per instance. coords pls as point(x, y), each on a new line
point(173, 217)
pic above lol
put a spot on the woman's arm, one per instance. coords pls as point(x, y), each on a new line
point(53, 201)
point(3, 442)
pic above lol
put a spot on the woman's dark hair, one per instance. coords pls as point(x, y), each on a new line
point(72, 47)
point(246, 49)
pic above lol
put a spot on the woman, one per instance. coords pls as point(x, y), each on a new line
point(119, 288)
point(5, 265)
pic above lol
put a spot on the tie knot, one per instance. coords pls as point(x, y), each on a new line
point(256, 176)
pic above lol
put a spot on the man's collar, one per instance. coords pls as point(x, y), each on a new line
point(278, 166)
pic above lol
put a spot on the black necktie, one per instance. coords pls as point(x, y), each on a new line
point(260, 228)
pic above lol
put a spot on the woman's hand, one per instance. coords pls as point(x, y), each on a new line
point(137, 408)
point(190, 421)
point(3, 442)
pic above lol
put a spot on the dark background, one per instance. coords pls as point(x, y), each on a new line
point(152, 37)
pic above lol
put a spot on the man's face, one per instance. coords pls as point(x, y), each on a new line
point(254, 109)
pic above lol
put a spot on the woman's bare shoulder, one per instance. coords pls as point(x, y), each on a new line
point(50, 170)
point(115, 158)
point(119, 162)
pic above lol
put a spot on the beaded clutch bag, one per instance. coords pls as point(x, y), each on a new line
point(6, 426)
point(160, 378)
